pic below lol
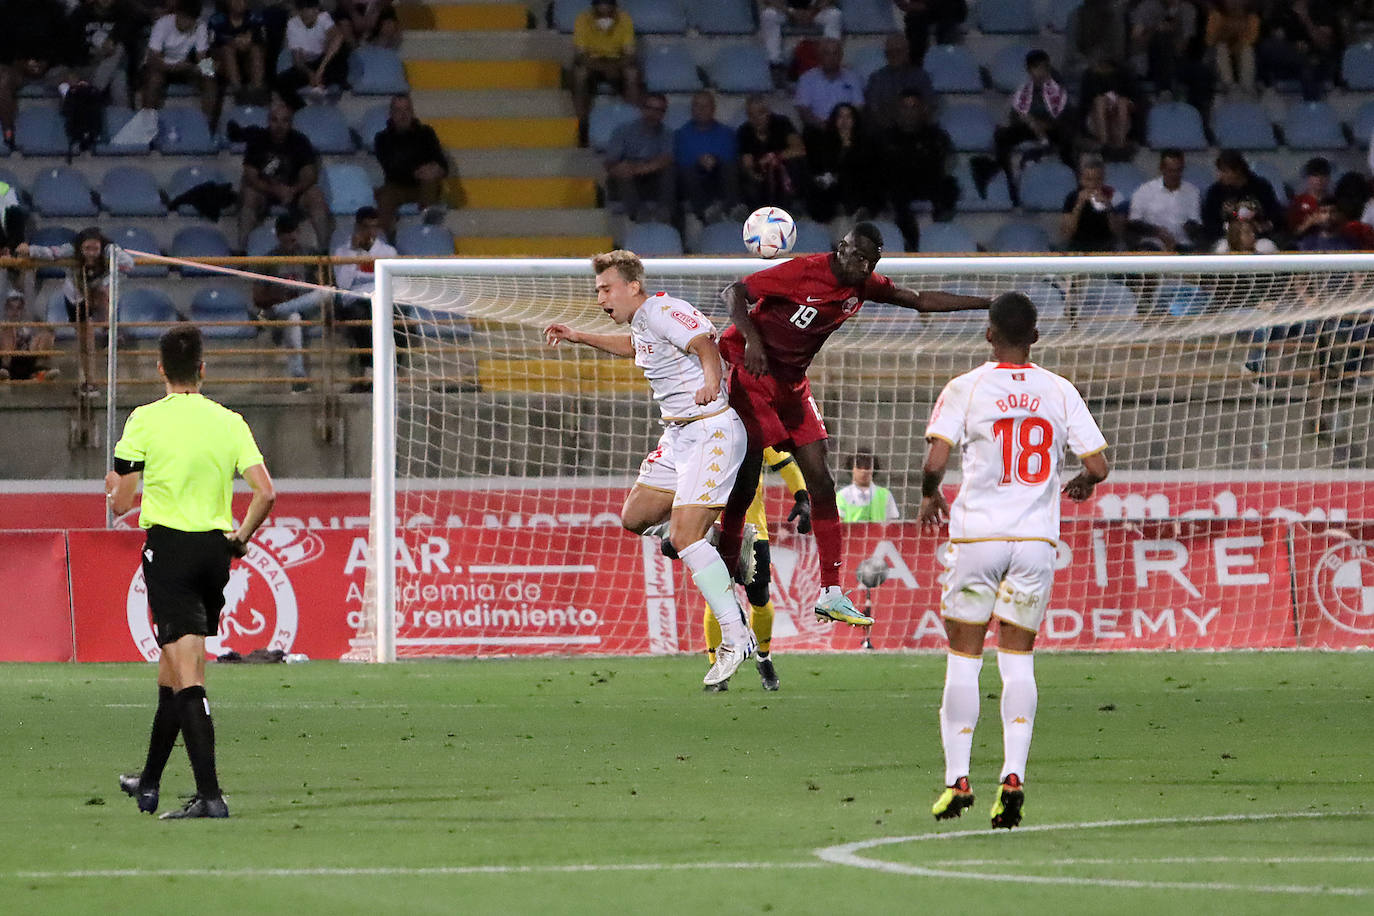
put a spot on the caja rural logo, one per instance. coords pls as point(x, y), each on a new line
point(1343, 586)
point(260, 610)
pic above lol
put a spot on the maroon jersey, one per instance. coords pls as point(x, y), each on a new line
point(799, 304)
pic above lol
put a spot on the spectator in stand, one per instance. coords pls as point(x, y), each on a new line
point(366, 242)
point(921, 18)
point(1166, 213)
point(639, 164)
point(826, 85)
point(1096, 28)
point(319, 56)
point(106, 31)
point(916, 156)
point(413, 165)
point(841, 166)
point(774, 14)
point(1232, 31)
point(1324, 231)
point(1236, 183)
point(1111, 99)
point(772, 156)
point(20, 342)
point(281, 169)
point(35, 47)
point(370, 22)
point(1303, 210)
point(276, 302)
point(1039, 115)
point(179, 52)
point(1243, 234)
point(603, 51)
point(706, 156)
point(238, 40)
point(1302, 41)
point(1356, 210)
point(887, 85)
point(1093, 218)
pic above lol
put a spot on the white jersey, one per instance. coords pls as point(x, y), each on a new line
point(662, 329)
point(1011, 424)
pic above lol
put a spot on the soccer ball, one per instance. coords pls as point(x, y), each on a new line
point(769, 232)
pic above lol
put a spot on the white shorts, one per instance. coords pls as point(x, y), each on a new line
point(697, 462)
point(1007, 579)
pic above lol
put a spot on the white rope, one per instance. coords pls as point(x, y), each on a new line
point(234, 272)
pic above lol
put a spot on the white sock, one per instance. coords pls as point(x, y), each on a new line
point(959, 713)
point(656, 531)
point(713, 581)
point(1019, 697)
point(830, 591)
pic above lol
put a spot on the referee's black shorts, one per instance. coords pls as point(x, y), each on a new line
point(186, 572)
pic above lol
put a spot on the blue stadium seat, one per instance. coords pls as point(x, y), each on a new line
point(867, 17)
point(184, 132)
point(1270, 174)
point(55, 313)
point(115, 117)
point(812, 238)
point(1183, 300)
point(1243, 125)
point(951, 68)
point(244, 116)
point(1124, 176)
point(372, 123)
point(1049, 303)
point(721, 238)
point(1175, 124)
point(606, 115)
point(432, 324)
point(969, 126)
point(656, 17)
point(669, 68)
point(198, 242)
point(326, 128)
point(1045, 184)
point(1362, 125)
point(1098, 300)
point(679, 111)
point(1200, 172)
point(39, 131)
point(187, 177)
point(1020, 236)
point(722, 17)
point(51, 237)
point(995, 199)
point(1014, 18)
point(136, 238)
point(63, 191)
point(1057, 13)
point(347, 187)
point(892, 236)
point(1357, 67)
point(947, 238)
point(139, 304)
point(222, 302)
point(341, 236)
point(127, 190)
point(425, 241)
point(13, 181)
point(376, 71)
point(1007, 69)
point(261, 240)
point(865, 61)
point(653, 240)
point(740, 68)
point(1313, 126)
point(564, 13)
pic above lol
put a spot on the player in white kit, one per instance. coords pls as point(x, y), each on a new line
point(684, 483)
point(1010, 420)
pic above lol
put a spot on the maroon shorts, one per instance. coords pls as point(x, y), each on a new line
point(775, 414)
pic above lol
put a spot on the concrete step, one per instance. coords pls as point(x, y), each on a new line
point(534, 163)
point(481, 103)
point(525, 44)
point(524, 192)
point(481, 221)
point(483, 74)
point(455, 17)
point(534, 246)
point(496, 133)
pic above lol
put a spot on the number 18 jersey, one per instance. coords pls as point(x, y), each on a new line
point(1011, 423)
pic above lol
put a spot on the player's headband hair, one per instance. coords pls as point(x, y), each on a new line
point(871, 232)
point(1013, 316)
point(180, 350)
point(626, 263)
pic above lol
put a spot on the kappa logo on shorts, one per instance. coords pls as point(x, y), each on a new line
point(1343, 586)
point(718, 434)
point(714, 467)
point(717, 451)
point(711, 484)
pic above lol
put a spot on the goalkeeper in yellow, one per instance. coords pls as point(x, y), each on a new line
point(760, 605)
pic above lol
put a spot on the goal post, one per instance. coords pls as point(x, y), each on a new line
point(1234, 390)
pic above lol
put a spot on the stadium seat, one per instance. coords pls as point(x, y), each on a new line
point(442, 325)
point(372, 123)
point(1362, 125)
point(1102, 299)
point(606, 115)
point(951, 68)
point(115, 117)
point(1271, 174)
point(425, 241)
point(1200, 172)
point(127, 190)
point(679, 111)
point(13, 181)
point(347, 187)
point(1243, 125)
point(39, 131)
point(721, 238)
point(969, 126)
point(1313, 126)
point(656, 17)
point(865, 61)
point(341, 236)
point(722, 17)
point(1057, 13)
point(326, 128)
point(1182, 300)
point(812, 238)
point(670, 68)
point(244, 116)
point(1007, 69)
point(198, 242)
point(55, 313)
point(139, 304)
point(1049, 304)
point(892, 236)
point(1007, 18)
point(187, 177)
point(996, 197)
point(63, 191)
point(136, 238)
point(51, 237)
point(740, 68)
point(1357, 67)
point(376, 71)
point(653, 240)
point(563, 13)
point(1124, 177)
point(1175, 124)
point(1020, 236)
point(947, 238)
point(184, 132)
point(261, 240)
point(222, 302)
point(867, 17)
point(1045, 184)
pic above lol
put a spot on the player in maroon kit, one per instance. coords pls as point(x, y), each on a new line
point(798, 304)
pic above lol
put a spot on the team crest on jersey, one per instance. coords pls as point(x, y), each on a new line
point(687, 321)
point(1343, 586)
point(1018, 376)
point(851, 305)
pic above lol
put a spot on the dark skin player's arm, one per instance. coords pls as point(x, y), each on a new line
point(755, 359)
point(936, 301)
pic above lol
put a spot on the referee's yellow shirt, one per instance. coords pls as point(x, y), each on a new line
point(190, 447)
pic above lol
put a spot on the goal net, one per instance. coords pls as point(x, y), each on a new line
point(1235, 393)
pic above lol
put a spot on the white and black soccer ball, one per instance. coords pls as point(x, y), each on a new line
point(769, 232)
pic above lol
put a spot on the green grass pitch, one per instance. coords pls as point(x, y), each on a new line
point(1159, 783)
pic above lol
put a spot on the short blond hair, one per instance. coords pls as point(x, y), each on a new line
point(626, 263)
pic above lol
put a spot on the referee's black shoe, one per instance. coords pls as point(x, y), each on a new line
point(767, 673)
point(200, 807)
point(132, 784)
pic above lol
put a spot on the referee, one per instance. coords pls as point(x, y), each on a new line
point(186, 448)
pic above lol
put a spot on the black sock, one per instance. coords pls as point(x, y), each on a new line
point(166, 725)
point(199, 734)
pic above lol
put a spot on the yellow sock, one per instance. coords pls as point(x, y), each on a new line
point(713, 636)
point(761, 622)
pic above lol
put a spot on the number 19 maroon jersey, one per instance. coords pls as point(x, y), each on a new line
point(800, 303)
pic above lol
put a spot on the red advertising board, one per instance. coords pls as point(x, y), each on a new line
point(1334, 585)
point(35, 617)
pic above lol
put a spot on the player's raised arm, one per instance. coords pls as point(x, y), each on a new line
point(936, 301)
point(737, 302)
point(704, 348)
point(614, 344)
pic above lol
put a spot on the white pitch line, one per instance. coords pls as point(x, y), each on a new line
point(406, 872)
point(847, 854)
point(1171, 860)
